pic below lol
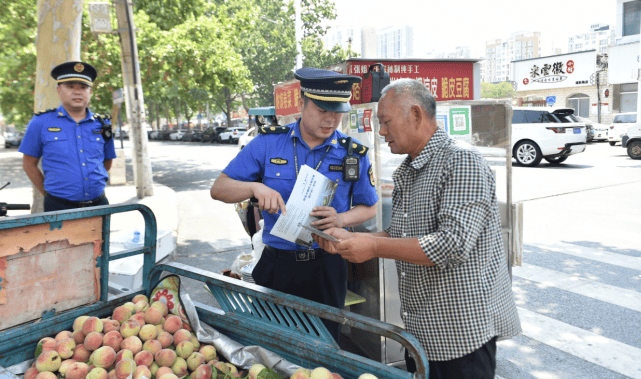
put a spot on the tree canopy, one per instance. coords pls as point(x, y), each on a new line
point(502, 90)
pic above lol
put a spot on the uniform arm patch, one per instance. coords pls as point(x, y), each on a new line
point(372, 179)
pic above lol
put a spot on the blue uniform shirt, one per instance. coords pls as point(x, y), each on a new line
point(271, 157)
point(73, 154)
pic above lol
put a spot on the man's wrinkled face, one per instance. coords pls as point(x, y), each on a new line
point(393, 117)
point(74, 96)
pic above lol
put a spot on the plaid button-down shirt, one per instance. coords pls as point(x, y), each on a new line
point(446, 198)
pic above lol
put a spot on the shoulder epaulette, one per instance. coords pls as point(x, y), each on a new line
point(273, 130)
point(105, 116)
point(43, 112)
point(357, 147)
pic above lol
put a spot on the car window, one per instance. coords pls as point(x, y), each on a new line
point(518, 117)
point(537, 117)
point(625, 118)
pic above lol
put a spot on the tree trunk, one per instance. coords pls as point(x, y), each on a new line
point(57, 41)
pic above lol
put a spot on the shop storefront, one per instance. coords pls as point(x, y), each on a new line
point(564, 81)
point(623, 62)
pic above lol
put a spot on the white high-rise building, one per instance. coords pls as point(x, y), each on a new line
point(500, 52)
point(368, 42)
point(395, 42)
point(461, 52)
point(343, 36)
point(599, 38)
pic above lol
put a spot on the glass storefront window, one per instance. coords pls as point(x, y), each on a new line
point(628, 102)
point(631, 12)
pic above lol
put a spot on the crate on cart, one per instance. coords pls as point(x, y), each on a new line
point(251, 315)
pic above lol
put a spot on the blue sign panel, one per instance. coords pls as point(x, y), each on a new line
point(550, 99)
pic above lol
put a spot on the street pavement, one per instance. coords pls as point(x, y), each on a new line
point(578, 292)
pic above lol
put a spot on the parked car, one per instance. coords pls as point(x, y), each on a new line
point(620, 126)
point(164, 135)
point(119, 131)
point(231, 135)
point(631, 141)
point(599, 131)
point(538, 134)
point(246, 138)
point(13, 139)
point(211, 134)
point(177, 135)
point(193, 135)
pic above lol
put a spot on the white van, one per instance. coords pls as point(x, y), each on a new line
point(538, 134)
point(620, 126)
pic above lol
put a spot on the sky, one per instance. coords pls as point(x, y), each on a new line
point(443, 25)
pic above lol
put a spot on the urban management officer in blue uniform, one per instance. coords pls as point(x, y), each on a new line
point(267, 169)
point(75, 144)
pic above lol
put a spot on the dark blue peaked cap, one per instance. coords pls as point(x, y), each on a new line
point(77, 72)
point(327, 89)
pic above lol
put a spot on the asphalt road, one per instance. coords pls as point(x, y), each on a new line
point(578, 292)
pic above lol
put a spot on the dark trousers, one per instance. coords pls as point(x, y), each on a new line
point(53, 204)
point(323, 279)
point(479, 364)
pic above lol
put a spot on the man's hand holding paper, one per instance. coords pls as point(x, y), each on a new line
point(355, 247)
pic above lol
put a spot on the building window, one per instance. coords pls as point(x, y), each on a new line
point(581, 104)
point(631, 11)
point(629, 97)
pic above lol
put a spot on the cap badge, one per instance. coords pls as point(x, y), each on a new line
point(340, 82)
point(79, 67)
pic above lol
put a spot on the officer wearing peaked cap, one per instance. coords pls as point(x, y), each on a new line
point(75, 145)
point(267, 169)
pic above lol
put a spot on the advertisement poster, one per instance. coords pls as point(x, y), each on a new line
point(361, 113)
point(442, 116)
point(353, 120)
point(367, 120)
point(460, 123)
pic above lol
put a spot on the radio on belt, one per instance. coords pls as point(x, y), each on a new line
point(351, 169)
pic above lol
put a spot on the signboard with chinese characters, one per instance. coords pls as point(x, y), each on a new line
point(99, 17)
point(557, 71)
point(446, 80)
point(623, 61)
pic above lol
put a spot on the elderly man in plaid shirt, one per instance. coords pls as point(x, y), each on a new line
point(445, 236)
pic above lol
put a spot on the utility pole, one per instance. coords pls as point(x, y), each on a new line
point(134, 97)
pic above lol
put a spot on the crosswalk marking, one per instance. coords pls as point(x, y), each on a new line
point(588, 288)
point(603, 351)
point(592, 254)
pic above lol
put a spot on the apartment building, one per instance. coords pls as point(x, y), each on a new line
point(500, 52)
point(395, 42)
point(599, 38)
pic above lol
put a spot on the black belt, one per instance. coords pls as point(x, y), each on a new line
point(297, 255)
point(78, 204)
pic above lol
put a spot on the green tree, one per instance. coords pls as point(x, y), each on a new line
point(502, 90)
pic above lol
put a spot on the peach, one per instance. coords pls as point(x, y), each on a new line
point(165, 339)
point(336, 376)
point(321, 373)
point(144, 358)
point(110, 326)
point(301, 373)
point(92, 324)
point(77, 324)
point(152, 346)
point(132, 343)
point(63, 335)
point(77, 370)
point(255, 370)
point(194, 341)
point(140, 317)
point(48, 361)
point(78, 337)
point(121, 314)
point(153, 316)
point(165, 357)
point(141, 306)
point(168, 376)
point(187, 327)
point(148, 332)
point(104, 357)
point(153, 367)
point(45, 344)
point(124, 354)
point(131, 306)
point(208, 351)
point(142, 372)
point(172, 324)
point(162, 371)
point(162, 306)
point(46, 375)
point(194, 360)
point(140, 297)
point(64, 367)
point(179, 367)
point(125, 368)
point(184, 349)
point(222, 367)
point(98, 373)
point(93, 341)
point(112, 339)
point(81, 354)
point(31, 373)
point(130, 328)
point(181, 335)
point(367, 376)
point(65, 348)
point(232, 368)
point(203, 372)
point(159, 328)
point(112, 374)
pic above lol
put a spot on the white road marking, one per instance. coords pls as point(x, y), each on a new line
point(602, 351)
point(592, 254)
point(584, 287)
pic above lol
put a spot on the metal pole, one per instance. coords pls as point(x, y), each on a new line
point(299, 35)
point(120, 124)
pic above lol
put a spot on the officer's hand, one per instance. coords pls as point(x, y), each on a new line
point(329, 246)
point(329, 218)
point(268, 199)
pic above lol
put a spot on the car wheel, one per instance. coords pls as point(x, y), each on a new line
point(556, 160)
point(527, 154)
point(634, 149)
point(612, 143)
